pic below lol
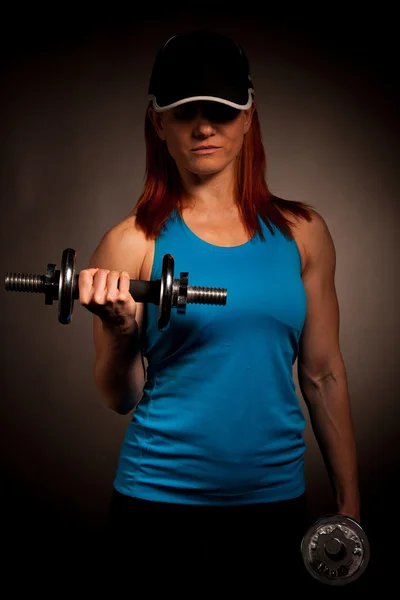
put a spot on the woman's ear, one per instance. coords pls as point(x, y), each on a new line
point(156, 119)
point(248, 115)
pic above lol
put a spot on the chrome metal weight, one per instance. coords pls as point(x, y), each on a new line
point(335, 550)
point(62, 286)
point(66, 283)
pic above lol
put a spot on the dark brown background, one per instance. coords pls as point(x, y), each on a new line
point(73, 101)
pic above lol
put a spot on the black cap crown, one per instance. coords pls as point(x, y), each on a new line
point(200, 65)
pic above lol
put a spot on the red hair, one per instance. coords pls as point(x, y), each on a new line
point(163, 190)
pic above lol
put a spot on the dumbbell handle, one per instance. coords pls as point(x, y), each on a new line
point(140, 290)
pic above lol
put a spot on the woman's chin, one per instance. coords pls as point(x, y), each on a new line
point(204, 168)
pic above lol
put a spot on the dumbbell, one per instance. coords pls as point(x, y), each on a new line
point(61, 285)
point(335, 550)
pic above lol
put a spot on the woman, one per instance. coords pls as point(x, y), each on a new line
point(211, 470)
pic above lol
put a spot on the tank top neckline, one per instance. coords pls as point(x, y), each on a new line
point(246, 246)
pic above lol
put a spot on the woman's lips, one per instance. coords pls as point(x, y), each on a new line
point(205, 150)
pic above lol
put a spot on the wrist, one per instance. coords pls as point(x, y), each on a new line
point(349, 509)
point(120, 327)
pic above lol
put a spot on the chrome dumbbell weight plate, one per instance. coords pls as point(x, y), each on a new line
point(335, 550)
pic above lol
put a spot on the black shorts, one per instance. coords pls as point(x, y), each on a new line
point(228, 547)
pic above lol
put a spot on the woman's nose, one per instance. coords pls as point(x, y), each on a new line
point(202, 125)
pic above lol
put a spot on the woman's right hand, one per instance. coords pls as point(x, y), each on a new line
point(106, 294)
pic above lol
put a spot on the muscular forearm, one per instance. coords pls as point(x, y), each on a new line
point(330, 415)
point(119, 370)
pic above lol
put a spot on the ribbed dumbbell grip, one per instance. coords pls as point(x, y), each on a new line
point(206, 295)
point(22, 282)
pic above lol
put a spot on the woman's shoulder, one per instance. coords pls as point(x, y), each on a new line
point(311, 234)
point(122, 247)
point(126, 235)
point(313, 224)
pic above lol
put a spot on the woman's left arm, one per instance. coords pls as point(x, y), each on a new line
point(322, 373)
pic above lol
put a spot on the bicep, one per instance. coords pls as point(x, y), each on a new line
point(319, 350)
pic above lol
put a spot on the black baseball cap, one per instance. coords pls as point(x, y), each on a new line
point(200, 65)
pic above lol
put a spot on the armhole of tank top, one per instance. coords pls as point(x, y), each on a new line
point(298, 253)
point(297, 240)
point(151, 248)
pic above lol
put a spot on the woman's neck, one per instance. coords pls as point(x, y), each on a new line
point(211, 193)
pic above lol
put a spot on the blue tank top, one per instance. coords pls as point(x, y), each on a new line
point(219, 421)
